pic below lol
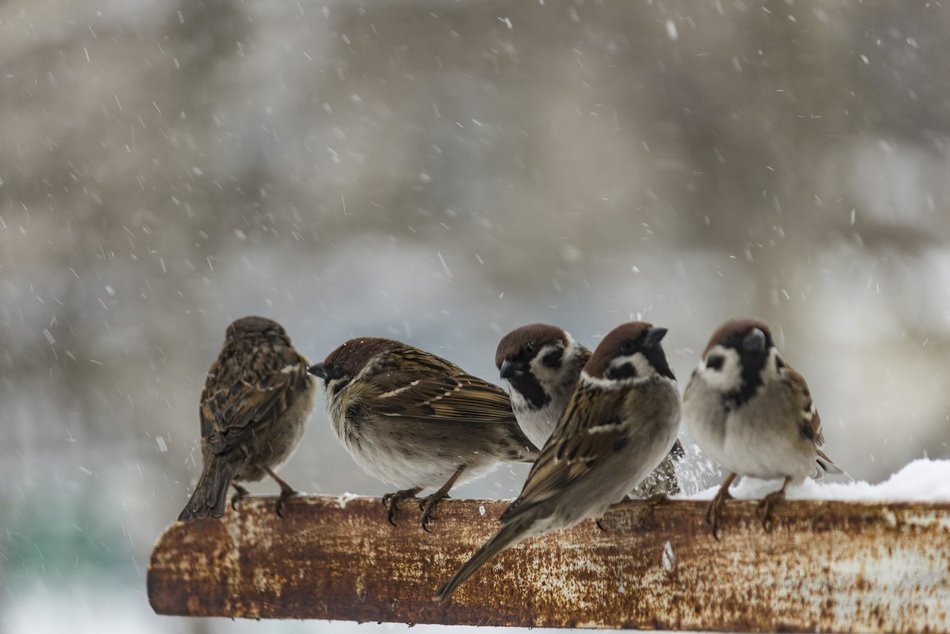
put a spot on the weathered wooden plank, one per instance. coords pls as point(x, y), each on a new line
point(826, 566)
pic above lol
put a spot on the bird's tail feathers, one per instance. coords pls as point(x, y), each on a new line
point(828, 466)
point(509, 535)
point(211, 492)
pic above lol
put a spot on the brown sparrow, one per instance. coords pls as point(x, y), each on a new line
point(542, 364)
point(753, 414)
point(255, 404)
point(621, 421)
point(415, 420)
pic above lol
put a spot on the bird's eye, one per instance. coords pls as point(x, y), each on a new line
point(530, 347)
point(628, 347)
point(715, 361)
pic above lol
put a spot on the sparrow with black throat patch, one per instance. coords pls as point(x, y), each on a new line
point(752, 413)
point(254, 407)
point(415, 420)
point(620, 422)
point(542, 364)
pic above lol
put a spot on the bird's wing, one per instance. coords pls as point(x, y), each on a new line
point(237, 398)
point(592, 428)
point(810, 420)
point(434, 390)
point(807, 413)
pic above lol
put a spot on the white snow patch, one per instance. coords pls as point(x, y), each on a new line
point(668, 557)
point(919, 481)
point(671, 31)
point(344, 499)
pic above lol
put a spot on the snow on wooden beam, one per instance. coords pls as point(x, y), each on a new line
point(826, 566)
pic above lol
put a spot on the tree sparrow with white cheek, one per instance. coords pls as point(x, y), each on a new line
point(415, 420)
point(753, 414)
point(621, 421)
point(542, 364)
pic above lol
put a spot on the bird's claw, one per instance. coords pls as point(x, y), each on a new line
point(239, 494)
point(427, 506)
point(714, 513)
point(767, 508)
point(391, 502)
point(284, 496)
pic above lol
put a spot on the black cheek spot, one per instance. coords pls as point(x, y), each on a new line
point(715, 361)
point(553, 358)
point(626, 371)
point(779, 363)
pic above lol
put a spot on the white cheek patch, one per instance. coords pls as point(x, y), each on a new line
point(644, 372)
point(771, 371)
point(545, 374)
point(728, 378)
point(643, 367)
point(604, 384)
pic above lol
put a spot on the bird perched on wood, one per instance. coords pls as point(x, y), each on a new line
point(254, 407)
point(621, 421)
point(415, 420)
point(542, 364)
point(753, 414)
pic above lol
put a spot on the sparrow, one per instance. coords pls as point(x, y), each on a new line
point(752, 413)
point(620, 422)
point(254, 407)
point(542, 364)
point(415, 420)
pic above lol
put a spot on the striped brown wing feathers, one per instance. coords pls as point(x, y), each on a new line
point(238, 397)
point(588, 431)
point(801, 395)
point(810, 420)
point(435, 390)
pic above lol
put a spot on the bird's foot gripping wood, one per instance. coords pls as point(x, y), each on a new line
point(714, 511)
point(239, 494)
point(286, 491)
point(768, 503)
point(391, 501)
point(427, 505)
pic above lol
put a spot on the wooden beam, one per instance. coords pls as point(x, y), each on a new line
point(826, 566)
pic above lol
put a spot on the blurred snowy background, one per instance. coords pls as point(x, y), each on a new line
point(438, 172)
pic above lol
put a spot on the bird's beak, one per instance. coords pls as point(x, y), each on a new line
point(754, 341)
point(319, 370)
point(654, 336)
point(508, 369)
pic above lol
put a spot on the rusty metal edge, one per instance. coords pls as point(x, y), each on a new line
point(462, 515)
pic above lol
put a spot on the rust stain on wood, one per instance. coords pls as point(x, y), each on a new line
point(826, 566)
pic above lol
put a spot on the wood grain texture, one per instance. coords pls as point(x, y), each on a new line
point(826, 566)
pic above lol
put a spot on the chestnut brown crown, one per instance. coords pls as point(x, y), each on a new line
point(625, 341)
point(524, 342)
point(254, 326)
point(735, 333)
